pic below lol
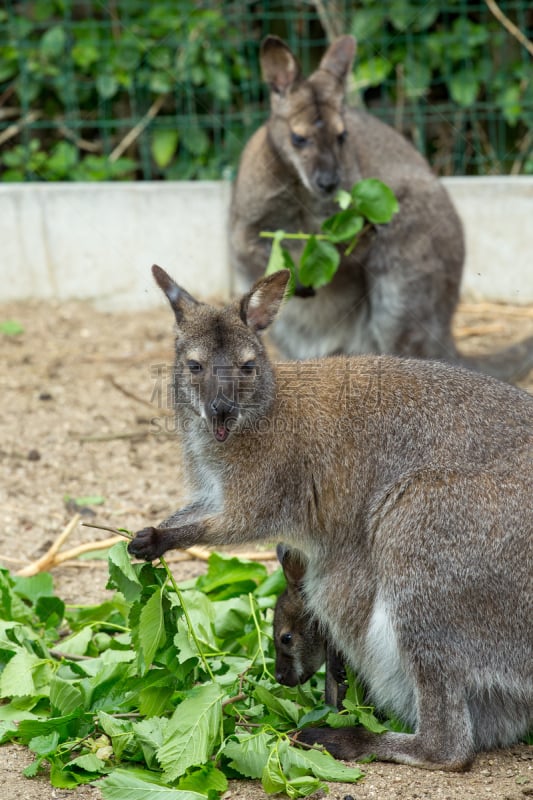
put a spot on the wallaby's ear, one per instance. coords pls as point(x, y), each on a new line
point(293, 562)
point(177, 297)
point(262, 303)
point(338, 58)
point(279, 67)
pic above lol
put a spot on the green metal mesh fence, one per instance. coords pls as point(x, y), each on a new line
point(93, 90)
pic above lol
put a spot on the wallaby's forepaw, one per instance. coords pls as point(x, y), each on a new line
point(148, 544)
point(347, 744)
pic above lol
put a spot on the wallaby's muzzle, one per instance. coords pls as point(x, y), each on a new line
point(220, 407)
point(223, 414)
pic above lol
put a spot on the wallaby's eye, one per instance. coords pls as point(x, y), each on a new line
point(195, 368)
point(341, 138)
point(286, 638)
point(297, 140)
point(248, 368)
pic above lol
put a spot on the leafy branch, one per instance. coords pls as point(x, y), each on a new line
point(162, 688)
point(369, 203)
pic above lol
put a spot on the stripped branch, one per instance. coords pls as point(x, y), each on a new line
point(509, 26)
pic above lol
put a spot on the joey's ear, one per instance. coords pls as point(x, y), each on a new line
point(279, 67)
point(178, 298)
point(338, 58)
point(293, 562)
point(259, 307)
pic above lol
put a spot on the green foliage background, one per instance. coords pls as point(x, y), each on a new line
point(77, 77)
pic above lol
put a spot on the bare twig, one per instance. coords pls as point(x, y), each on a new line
point(118, 533)
point(523, 149)
point(465, 331)
point(81, 144)
point(69, 656)
point(165, 411)
point(135, 132)
point(13, 130)
point(496, 308)
point(49, 559)
point(509, 26)
point(110, 437)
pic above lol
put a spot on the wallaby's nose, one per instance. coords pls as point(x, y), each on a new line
point(327, 182)
point(222, 406)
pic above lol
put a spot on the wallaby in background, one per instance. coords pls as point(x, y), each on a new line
point(398, 290)
point(408, 486)
point(300, 644)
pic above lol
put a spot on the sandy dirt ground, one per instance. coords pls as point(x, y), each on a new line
point(80, 397)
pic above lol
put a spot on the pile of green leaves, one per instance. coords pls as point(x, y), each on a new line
point(160, 689)
point(369, 202)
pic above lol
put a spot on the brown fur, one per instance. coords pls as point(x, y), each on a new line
point(408, 486)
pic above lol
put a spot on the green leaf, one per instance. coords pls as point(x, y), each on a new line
point(285, 708)
point(77, 643)
point(280, 258)
point(28, 728)
point(230, 571)
point(123, 785)
point(53, 42)
point(122, 574)
point(64, 696)
point(150, 734)
point(34, 587)
point(319, 263)
point(278, 775)
point(344, 199)
point(151, 628)
point(417, 77)
point(106, 85)
point(45, 744)
point(375, 200)
point(367, 22)
point(192, 731)
point(85, 54)
point(164, 145)
point(10, 327)
point(343, 226)
point(89, 762)
point(195, 140)
point(464, 87)
point(276, 260)
point(17, 679)
point(372, 72)
point(207, 778)
point(90, 500)
point(248, 755)
point(320, 764)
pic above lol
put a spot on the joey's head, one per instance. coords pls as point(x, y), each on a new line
point(307, 125)
point(222, 372)
point(300, 646)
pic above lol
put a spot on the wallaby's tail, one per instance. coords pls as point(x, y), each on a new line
point(510, 364)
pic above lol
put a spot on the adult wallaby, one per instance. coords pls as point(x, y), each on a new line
point(397, 291)
point(300, 644)
point(408, 486)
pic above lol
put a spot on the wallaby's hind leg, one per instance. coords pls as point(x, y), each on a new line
point(443, 739)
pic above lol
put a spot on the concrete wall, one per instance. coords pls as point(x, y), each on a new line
point(98, 240)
